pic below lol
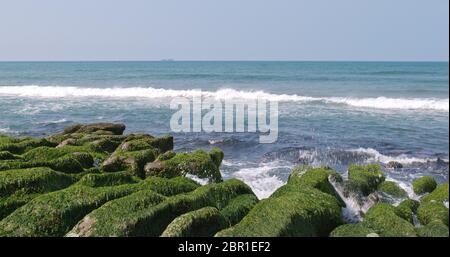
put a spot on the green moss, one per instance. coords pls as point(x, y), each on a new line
point(202, 223)
point(5, 155)
point(198, 163)
point(365, 179)
point(152, 220)
point(34, 180)
point(133, 162)
point(169, 187)
point(407, 209)
point(238, 208)
point(116, 129)
point(25, 145)
point(317, 178)
point(382, 218)
point(304, 212)
point(424, 184)
point(352, 230)
point(432, 211)
point(216, 156)
point(433, 229)
point(166, 156)
point(54, 214)
point(440, 194)
point(13, 202)
point(116, 215)
point(392, 189)
point(107, 179)
point(104, 145)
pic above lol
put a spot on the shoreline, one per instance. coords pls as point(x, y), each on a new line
point(96, 175)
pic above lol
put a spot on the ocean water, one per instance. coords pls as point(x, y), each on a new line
point(330, 113)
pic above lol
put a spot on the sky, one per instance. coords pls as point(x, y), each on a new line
point(359, 30)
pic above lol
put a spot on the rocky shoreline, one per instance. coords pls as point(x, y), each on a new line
point(94, 180)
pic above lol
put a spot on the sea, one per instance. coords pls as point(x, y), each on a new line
point(329, 113)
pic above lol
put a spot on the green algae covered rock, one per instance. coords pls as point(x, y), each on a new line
point(5, 155)
point(365, 179)
point(440, 194)
point(152, 220)
point(238, 208)
point(107, 179)
point(433, 229)
point(407, 209)
point(116, 129)
point(432, 211)
point(133, 162)
point(352, 230)
point(296, 209)
point(202, 222)
point(116, 215)
point(424, 184)
point(198, 163)
point(383, 219)
point(54, 214)
point(24, 145)
point(392, 189)
point(34, 180)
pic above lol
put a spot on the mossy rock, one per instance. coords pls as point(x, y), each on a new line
point(116, 129)
point(432, 211)
point(318, 178)
point(238, 208)
point(153, 220)
point(116, 215)
point(54, 214)
point(25, 145)
point(303, 212)
point(364, 178)
point(203, 222)
point(352, 230)
point(198, 163)
point(424, 185)
point(33, 180)
point(143, 142)
point(5, 155)
point(133, 162)
point(407, 209)
point(392, 189)
point(13, 202)
point(383, 219)
point(107, 179)
point(433, 229)
point(440, 194)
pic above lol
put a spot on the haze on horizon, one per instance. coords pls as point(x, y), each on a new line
point(358, 30)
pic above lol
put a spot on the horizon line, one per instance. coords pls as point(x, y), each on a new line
point(214, 60)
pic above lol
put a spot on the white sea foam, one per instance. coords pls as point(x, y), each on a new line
point(375, 156)
point(262, 182)
point(150, 92)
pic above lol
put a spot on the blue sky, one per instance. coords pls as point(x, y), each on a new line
point(404, 30)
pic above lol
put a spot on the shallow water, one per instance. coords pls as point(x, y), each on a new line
point(330, 113)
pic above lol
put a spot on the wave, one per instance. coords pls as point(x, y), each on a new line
point(375, 156)
point(154, 93)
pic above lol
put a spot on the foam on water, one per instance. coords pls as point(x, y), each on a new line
point(150, 92)
point(375, 156)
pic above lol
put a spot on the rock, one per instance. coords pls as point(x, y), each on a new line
point(238, 208)
point(5, 155)
point(116, 129)
point(424, 184)
point(432, 211)
point(383, 219)
point(392, 189)
point(69, 141)
point(394, 165)
point(107, 179)
point(440, 195)
point(364, 179)
point(202, 222)
point(151, 219)
point(198, 163)
point(407, 209)
point(352, 230)
point(433, 229)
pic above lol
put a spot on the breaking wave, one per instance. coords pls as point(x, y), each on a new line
point(153, 93)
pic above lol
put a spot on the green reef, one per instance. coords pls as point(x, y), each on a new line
point(95, 181)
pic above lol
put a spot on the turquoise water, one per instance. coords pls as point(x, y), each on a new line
point(331, 113)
